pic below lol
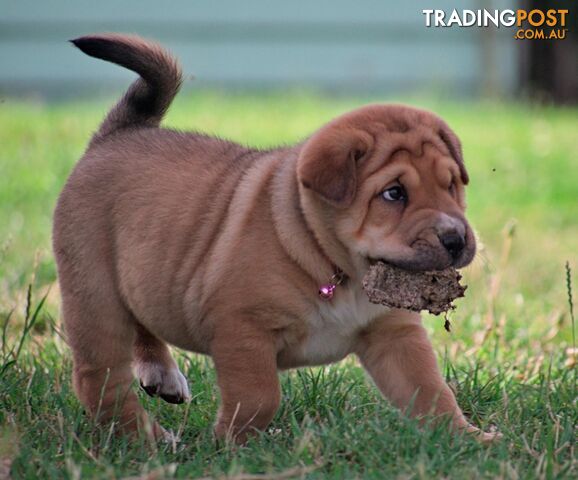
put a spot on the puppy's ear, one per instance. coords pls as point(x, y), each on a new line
point(328, 163)
point(454, 145)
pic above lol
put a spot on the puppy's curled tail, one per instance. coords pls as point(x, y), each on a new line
point(149, 97)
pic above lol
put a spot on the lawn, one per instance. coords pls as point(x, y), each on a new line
point(509, 355)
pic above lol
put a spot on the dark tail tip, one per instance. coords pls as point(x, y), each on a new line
point(93, 46)
point(79, 42)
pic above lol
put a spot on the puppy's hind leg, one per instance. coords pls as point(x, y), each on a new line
point(101, 334)
point(157, 370)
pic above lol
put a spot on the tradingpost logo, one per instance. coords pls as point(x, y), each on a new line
point(528, 24)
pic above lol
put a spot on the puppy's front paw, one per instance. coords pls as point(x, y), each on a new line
point(168, 383)
point(484, 437)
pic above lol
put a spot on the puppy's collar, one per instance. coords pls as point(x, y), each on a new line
point(327, 290)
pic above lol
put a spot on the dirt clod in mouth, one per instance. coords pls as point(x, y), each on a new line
point(433, 291)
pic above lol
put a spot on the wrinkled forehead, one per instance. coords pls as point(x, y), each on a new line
point(419, 149)
point(430, 168)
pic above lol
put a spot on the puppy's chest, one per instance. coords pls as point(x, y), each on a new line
point(335, 324)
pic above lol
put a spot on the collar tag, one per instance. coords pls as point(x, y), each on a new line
point(327, 290)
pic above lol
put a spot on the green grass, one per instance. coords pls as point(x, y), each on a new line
point(508, 356)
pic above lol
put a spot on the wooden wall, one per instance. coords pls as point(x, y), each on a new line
point(344, 45)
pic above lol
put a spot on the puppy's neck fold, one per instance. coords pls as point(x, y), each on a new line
point(309, 244)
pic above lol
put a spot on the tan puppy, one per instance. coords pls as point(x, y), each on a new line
point(168, 237)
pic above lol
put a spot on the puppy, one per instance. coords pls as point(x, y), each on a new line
point(165, 237)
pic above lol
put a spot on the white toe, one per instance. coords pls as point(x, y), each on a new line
point(164, 382)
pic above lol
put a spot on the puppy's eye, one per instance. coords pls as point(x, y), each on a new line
point(394, 194)
point(452, 188)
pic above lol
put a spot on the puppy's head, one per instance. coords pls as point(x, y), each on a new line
point(390, 182)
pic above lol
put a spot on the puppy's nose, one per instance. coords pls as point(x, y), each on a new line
point(453, 242)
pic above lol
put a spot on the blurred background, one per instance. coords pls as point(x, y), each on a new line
point(330, 45)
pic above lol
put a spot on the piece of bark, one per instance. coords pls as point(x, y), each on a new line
point(433, 291)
